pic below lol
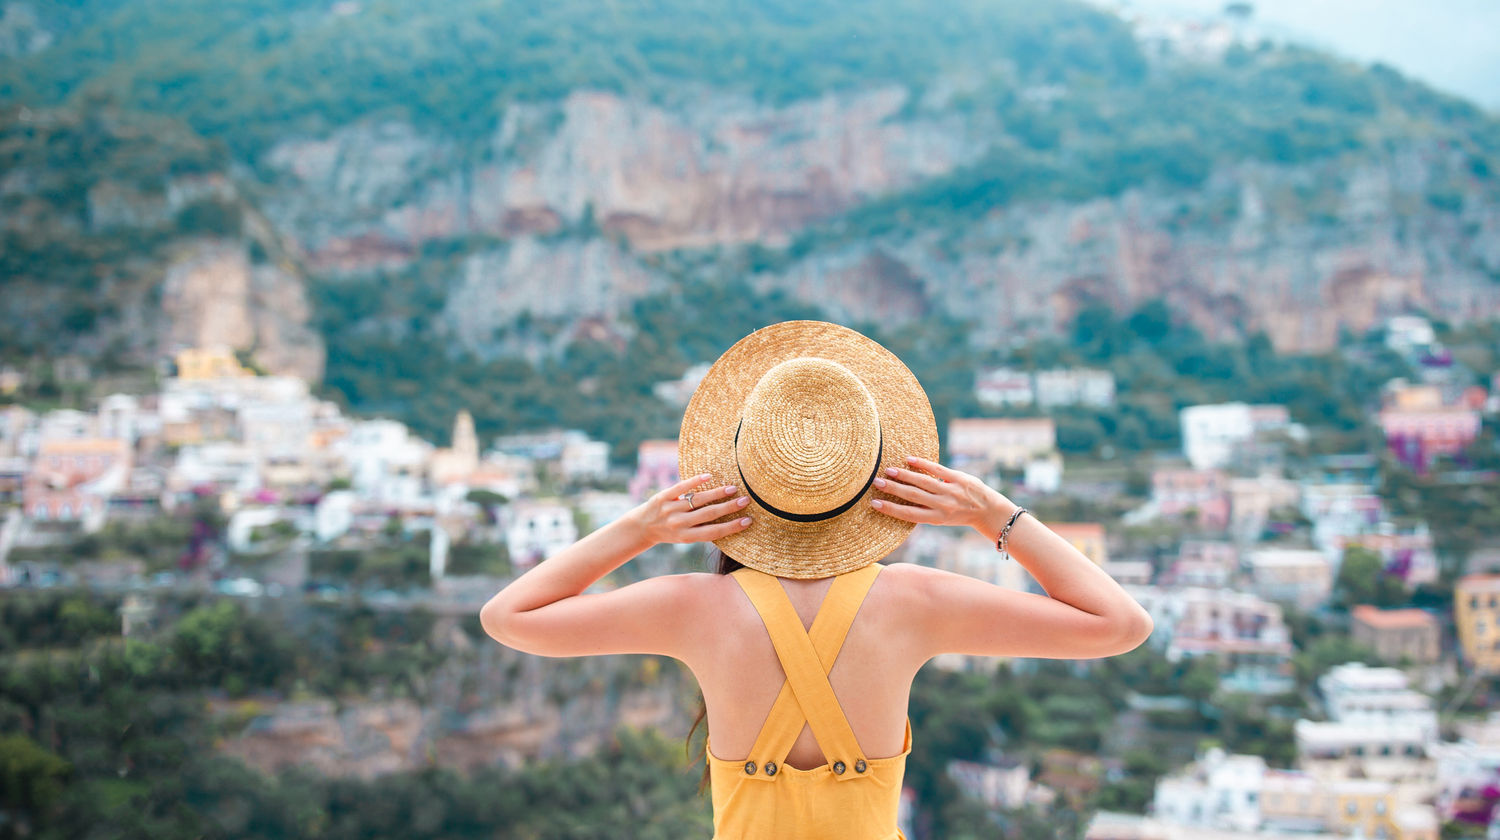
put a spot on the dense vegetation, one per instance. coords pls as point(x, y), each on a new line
point(89, 225)
point(252, 71)
point(104, 733)
point(1160, 363)
point(141, 93)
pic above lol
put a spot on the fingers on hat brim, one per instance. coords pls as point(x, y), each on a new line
point(706, 444)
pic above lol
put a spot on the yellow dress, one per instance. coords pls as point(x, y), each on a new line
point(852, 796)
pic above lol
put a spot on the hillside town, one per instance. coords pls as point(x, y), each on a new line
point(278, 480)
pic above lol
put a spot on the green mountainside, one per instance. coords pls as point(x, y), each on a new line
point(140, 137)
point(251, 71)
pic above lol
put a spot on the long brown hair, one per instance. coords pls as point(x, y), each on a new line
point(722, 564)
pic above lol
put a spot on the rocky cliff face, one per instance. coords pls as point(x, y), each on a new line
point(1251, 251)
point(1296, 251)
point(487, 706)
point(212, 294)
point(711, 170)
point(561, 211)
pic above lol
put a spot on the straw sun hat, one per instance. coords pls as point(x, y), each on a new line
point(801, 416)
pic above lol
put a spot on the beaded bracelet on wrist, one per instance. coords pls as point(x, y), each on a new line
point(1005, 532)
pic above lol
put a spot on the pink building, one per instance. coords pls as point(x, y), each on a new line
point(655, 468)
point(1416, 436)
point(1176, 491)
point(980, 445)
point(1208, 563)
point(72, 478)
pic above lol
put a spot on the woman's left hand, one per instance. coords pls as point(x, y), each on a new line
point(939, 495)
point(668, 518)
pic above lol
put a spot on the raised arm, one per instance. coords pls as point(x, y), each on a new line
point(1085, 614)
point(545, 611)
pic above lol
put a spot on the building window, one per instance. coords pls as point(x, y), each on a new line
point(1380, 807)
point(1351, 808)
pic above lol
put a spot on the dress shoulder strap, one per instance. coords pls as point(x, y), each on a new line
point(806, 657)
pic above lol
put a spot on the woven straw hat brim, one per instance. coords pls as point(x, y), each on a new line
point(851, 540)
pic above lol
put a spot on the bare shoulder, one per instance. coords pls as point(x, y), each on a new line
point(702, 592)
point(909, 591)
point(913, 585)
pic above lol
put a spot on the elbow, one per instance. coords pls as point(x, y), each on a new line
point(496, 621)
point(1135, 631)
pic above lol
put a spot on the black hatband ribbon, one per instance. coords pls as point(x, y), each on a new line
point(807, 517)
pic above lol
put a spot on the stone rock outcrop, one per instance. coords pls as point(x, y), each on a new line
point(486, 708)
point(714, 170)
point(569, 280)
point(1239, 255)
point(213, 295)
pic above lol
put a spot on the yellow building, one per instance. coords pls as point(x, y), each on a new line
point(1087, 537)
point(208, 363)
point(1476, 615)
point(1363, 808)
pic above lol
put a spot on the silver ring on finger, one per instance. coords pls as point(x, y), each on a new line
point(689, 497)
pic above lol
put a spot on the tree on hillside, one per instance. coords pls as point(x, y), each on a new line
point(1362, 580)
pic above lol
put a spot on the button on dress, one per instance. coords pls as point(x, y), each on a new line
point(851, 796)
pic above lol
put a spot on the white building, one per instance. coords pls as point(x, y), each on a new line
point(1405, 333)
point(1210, 432)
point(583, 459)
point(537, 529)
point(1044, 474)
point(222, 466)
point(1000, 387)
point(1371, 713)
point(1339, 510)
point(996, 785)
point(1219, 790)
point(1075, 386)
point(119, 417)
point(386, 463)
point(66, 423)
point(1302, 577)
point(279, 430)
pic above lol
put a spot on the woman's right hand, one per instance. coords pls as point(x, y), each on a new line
point(953, 497)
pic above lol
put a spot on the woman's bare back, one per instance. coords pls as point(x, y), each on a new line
point(740, 676)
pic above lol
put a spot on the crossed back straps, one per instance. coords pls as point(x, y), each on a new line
point(806, 656)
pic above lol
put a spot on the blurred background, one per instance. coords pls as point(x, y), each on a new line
point(319, 321)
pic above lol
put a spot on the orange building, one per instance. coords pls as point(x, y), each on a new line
point(1476, 616)
point(1397, 634)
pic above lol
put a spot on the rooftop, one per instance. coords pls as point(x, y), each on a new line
point(1478, 583)
point(1393, 619)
